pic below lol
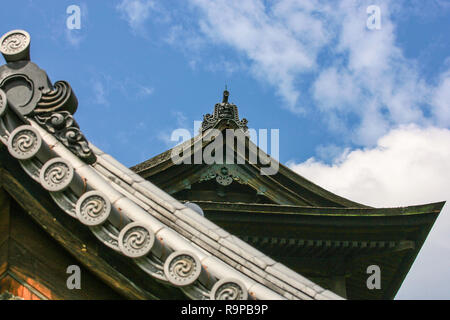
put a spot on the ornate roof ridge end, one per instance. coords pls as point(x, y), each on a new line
point(224, 111)
point(167, 240)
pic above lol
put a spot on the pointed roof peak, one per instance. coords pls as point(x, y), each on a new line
point(224, 111)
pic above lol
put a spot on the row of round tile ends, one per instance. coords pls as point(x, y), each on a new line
point(93, 208)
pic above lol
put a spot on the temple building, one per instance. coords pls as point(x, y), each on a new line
point(77, 224)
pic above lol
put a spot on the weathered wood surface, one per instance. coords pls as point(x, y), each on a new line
point(3, 257)
point(36, 256)
point(4, 215)
point(11, 289)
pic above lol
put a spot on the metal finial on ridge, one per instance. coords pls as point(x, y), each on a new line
point(226, 94)
point(224, 111)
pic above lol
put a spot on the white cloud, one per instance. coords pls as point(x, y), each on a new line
point(100, 93)
point(135, 12)
point(356, 71)
point(335, 89)
point(409, 165)
point(441, 101)
point(181, 121)
point(74, 37)
point(280, 46)
point(180, 118)
point(376, 83)
point(330, 152)
point(103, 84)
point(165, 138)
point(145, 91)
point(224, 66)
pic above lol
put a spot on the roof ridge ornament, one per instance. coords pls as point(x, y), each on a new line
point(29, 93)
point(224, 111)
point(64, 128)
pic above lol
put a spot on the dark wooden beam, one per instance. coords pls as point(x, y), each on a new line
point(4, 226)
point(338, 285)
point(36, 259)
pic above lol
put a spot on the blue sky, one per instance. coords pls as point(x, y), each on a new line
point(364, 113)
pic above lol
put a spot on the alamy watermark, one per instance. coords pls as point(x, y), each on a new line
point(374, 280)
point(73, 21)
point(374, 20)
point(234, 140)
point(74, 280)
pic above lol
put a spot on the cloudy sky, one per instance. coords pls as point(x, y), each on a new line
point(363, 105)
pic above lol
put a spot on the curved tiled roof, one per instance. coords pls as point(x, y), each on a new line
point(167, 240)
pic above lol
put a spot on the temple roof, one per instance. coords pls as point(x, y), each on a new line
point(291, 218)
point(137, 222)
point(297, 189)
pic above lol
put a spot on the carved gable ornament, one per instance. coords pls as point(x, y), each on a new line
point(224, 111)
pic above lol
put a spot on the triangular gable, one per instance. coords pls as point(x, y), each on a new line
point(178, 168)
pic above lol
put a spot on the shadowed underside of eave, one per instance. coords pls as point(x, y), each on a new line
point(319, 242)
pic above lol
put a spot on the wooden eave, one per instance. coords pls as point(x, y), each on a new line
point(278, 209)
point(309, 222)
point(308, 239)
